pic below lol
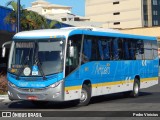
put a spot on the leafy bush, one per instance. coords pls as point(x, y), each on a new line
point(3, 83)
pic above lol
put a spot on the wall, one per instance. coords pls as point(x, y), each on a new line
point(103, 11)
point(4, 26)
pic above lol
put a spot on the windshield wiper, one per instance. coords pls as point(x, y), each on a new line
point(38, 63)
point(24, 63)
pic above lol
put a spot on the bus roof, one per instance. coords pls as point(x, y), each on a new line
point(65, 32)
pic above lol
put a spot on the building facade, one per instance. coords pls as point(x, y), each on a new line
point(45, 8)
point(61, 13)
point(124, 13)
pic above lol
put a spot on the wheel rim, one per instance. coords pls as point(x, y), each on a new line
point(136, 89)
point(83, 95)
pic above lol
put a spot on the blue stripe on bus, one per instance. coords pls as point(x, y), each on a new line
point(29, 82)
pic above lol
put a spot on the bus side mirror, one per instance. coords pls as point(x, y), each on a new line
point(4, 48)
point(71, 51)
point(3, 52)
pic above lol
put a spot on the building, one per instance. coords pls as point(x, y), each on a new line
point(54, 12)
point(124, 13)
point(45, 8)
point(61, 13)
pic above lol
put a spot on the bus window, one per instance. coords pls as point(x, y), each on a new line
point(132, 49)
point(115, 49)
point(126, 50)
point(72, 61)
point(139, 50)
point(95, 51)
point(87, 50)
point(155, 49)
point(103, 46)
point(148, 50)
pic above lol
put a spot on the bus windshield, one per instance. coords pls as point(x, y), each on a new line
point(36, 58)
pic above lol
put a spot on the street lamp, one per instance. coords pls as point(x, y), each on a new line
point(18, 15)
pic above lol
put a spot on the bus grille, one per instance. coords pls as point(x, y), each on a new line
point(31, 90)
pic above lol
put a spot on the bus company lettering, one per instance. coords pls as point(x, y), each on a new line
point(102, 69)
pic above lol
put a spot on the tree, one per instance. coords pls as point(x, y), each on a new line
point(29, 20)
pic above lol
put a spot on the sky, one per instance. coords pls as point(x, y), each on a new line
point(78, 6)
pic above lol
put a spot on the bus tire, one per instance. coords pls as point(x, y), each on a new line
point(136, 88)
point(85, 95)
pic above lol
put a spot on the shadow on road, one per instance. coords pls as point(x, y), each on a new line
point(118, 98)
point(113, 98)
point(49, 105)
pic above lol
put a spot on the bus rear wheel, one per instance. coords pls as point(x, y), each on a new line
point(85, 95)
point(135, 92)
point(136, 88)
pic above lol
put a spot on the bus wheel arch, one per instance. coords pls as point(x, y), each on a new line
point(85, 93)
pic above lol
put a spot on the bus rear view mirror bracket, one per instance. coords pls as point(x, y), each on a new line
point(4, 48)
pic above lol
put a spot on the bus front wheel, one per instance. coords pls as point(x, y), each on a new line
point(85, 95)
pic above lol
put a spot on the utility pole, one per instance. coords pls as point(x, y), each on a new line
point(18, 15)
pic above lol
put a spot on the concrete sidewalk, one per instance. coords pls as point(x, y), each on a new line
point(4, 98)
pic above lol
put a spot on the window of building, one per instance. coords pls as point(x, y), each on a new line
point(76, 19)
point(155, 22)
point(144, 2)
point(116, 23)
point(64, 19)
point(155, 12)
point(117, 2)
point(145, 23)
point(155, 2)
point(116, 13)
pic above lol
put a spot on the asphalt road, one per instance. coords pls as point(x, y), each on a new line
point(149, 100)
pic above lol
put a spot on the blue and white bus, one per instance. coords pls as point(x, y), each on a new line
point(79, 63)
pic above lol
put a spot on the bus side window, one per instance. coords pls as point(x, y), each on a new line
point(72, 61)
point(87, 51)
point(115, 49)
point(132, 49)
point(139, 50)
point(95, 51)
point(148, 50)
point(155, 49)
point(103, 46)
point(126, 50)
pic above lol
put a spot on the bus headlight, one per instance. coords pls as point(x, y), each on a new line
point(11, 84)
point(56, 84)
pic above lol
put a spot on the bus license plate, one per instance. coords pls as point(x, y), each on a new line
point(32, 98)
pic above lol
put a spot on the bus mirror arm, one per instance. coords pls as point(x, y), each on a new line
point(4, 48)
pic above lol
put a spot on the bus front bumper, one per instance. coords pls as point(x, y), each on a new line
point(44, 94)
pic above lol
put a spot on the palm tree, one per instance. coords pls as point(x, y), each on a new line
point(29, 20)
